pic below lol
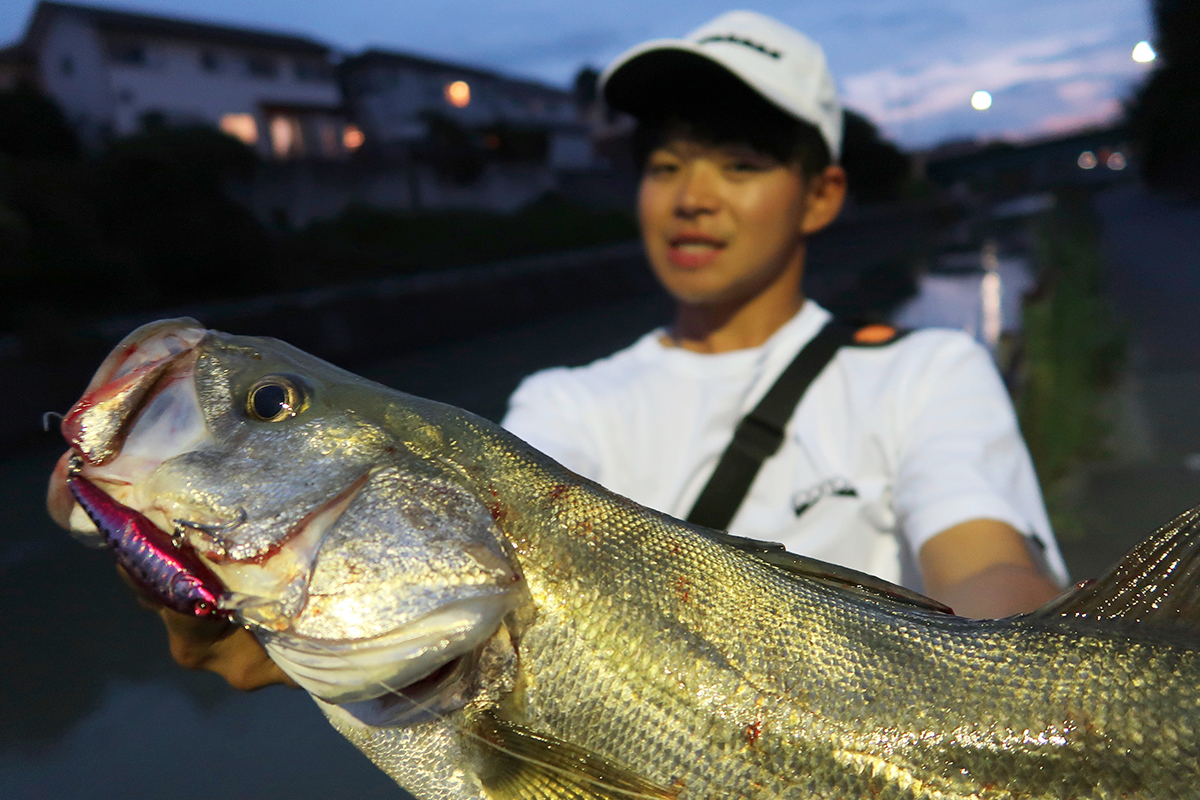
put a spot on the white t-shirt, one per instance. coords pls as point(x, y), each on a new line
point(890, 445)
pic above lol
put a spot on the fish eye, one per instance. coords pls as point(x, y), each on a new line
point(275, 398)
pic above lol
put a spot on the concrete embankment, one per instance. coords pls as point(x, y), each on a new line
point(349, 324)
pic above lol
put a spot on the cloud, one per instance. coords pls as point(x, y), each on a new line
point(892, 95)
point(1103, 113)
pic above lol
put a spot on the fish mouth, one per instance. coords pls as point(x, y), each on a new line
point(139, 409)
point(408, 664)
point(425, 697)
point(142, 368)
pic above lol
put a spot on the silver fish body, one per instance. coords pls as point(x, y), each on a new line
point(483, 623)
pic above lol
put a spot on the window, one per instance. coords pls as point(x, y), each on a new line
point(130, 54)
point(241, 126)
point(209, 61)
point(262, 66)
point(310, 69)
point(286, 141)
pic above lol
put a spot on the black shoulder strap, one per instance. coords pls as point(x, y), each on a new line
point(760, 433)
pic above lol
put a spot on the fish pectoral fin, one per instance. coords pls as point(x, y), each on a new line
point(523, 764)
point(841, 577)
point(1156, 586)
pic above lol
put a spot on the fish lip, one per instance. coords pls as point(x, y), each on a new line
point(350, 670)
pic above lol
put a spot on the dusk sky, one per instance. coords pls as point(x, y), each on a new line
point(909, 65)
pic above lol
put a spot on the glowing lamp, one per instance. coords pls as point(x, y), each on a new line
point(458, 94)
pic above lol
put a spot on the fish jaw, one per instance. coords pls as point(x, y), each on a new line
point(139, 410)
point(411, 580)
point(437, 649)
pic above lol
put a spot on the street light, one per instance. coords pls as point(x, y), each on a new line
point(981, 101)
point(1143, 53)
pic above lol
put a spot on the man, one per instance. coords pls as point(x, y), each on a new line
point(902, 460)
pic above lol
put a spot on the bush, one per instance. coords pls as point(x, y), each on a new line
point(1074, 351)
point(365, 243)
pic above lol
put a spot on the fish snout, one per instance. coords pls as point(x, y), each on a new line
point(96, 425)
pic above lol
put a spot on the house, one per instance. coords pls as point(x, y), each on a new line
point(430, 133)
point(401, 100)
point(113, 71)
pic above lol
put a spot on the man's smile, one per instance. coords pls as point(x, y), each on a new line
point(693, 250)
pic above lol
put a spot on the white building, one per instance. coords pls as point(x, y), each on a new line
point(112, 71)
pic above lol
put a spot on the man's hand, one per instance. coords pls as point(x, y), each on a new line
point(216, 645)
point(982, 569)
point(212, 644)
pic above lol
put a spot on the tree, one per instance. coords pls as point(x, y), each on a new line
point(32, 126)
point(1164, 116)
point(876, 169)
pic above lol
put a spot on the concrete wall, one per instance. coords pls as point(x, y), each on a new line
point(351, 325)
point(303, 191)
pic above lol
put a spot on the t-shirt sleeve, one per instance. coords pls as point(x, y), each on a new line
point(543, 411)
point(961, 452)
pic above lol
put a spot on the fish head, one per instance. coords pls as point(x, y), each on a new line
point(358, 553)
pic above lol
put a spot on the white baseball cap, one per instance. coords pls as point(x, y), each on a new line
point(780, 64)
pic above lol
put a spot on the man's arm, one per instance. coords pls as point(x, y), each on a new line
point(982, 568)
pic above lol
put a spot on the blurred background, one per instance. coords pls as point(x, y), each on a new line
point(435, 197)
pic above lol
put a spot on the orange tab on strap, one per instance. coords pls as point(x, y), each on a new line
point(874, 334)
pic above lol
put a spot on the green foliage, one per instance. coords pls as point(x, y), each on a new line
point(876, 170)
point(1074, 351)
point(368, 243)
point(32, 126)
point(164, 209)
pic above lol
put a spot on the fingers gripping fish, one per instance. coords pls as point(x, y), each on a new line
point(483, 624)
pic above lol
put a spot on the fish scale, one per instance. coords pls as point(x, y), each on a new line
point(1005, 692)
point(485, 625)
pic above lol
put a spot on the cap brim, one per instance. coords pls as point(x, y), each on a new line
point(643, 79)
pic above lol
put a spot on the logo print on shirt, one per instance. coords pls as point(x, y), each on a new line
point(805, 499)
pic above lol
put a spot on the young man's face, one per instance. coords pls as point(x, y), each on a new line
point(720, 223)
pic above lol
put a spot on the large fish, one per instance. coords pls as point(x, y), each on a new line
point(483, 623)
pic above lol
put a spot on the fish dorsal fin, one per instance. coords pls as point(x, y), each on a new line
point(831, 574)
point(524, 764)
point(1156, 585)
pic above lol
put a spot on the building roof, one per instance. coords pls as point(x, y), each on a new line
point(116, 21)
point(16, 54)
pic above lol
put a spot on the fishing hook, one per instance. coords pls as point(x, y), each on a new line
point(211, 531)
